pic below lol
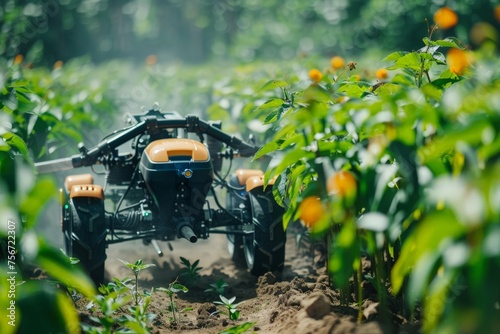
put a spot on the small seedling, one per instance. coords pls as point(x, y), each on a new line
point(190, 271)
point(136, 268)
point(218, 287)
point(138, 320)
point(172, 289)
point(112, 300)
point(233, 313)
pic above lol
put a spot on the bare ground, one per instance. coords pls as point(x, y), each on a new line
point(299, 300)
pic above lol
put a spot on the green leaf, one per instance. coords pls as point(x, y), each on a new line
point(316, 93)
point(388, 88)
point(345, 252)
point(403, 79)
point(436, 299)
point(125, 263)
point(353, 90)
point(178, 288)
point(409, 61)
point(44, 309)
point(296, 139)
point(446, 79)
point(272, 116)
point(239, 328)
point(234, 314)
point(449, 42)
point(59, 267)
point(421, 276)
point(439, 58)
point(17, 144)
point(395, 56)
point(427, 236)
point(267, 148)
point(291, 158)
point(271, 104)
point(431, 91)
point(136, 327)
point(272, 84)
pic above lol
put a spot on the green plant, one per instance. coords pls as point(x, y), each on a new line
point(232, 311)
point(218, 287)
point(171, 290)
point(114, 298)
point(239, 328)
point(190, 272)
point(138, 319)
point(136, 268)
point(110, 305)
point(409, 142)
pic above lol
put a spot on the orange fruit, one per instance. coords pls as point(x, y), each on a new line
point(497, 13)
point(445, 18)
point(151, 60)
point(18, 59)
point(458, 61)
point(58, 64)
point(311, 210)
point(337, 62)
point(342, 184)
point(315, 75)
point(381, 74)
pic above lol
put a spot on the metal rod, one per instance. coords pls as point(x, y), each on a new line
point(230, 232)
point(157, 248)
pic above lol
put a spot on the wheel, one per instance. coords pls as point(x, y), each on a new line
point(265, 248)
point(85, 235)
point(235, 242)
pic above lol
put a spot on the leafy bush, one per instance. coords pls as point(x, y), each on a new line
point(400, 169)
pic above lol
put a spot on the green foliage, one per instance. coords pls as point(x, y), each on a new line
point(46, 31)
point(172, 289)
point(110, 305)
point(22, 198)
point(136, 269)
point(416, 144)
point(232, 311)
point(218, 287)
point(190, 272)
point(239, 328)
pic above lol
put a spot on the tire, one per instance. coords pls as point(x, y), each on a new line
point(265, 248)
point(235, 242)
point(85, 235)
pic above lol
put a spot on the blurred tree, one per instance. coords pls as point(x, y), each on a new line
point(197, 30)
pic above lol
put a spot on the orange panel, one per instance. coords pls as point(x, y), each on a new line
point(257, 181)
point(161, 150)
point(244, 174)
point(71, 180)
point(87, 190)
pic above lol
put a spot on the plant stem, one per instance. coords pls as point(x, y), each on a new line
point(380, 279)
point(136, 289)
point(172, 306)
point(360, 292)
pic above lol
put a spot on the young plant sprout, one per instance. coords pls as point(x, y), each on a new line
point(136, 268)
point(218, 287)
point(172, 289)
point(233, 312)
point(190, 271)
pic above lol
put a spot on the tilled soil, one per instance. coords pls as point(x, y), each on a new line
point(298, 300)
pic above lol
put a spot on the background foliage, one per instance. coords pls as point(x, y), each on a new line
point(197, 31)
